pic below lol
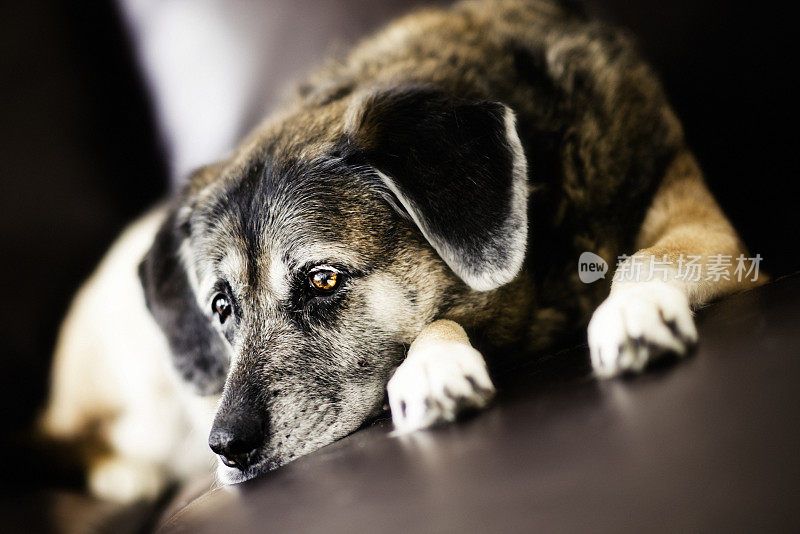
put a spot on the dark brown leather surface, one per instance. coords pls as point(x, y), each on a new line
point(708, 444)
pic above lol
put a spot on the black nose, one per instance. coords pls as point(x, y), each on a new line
point(237, 436)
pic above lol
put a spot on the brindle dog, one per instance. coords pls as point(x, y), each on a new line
point(441, 179)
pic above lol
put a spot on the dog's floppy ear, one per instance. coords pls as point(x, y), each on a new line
point(198, 353)
point(456, 168)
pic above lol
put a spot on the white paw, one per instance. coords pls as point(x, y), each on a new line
point(125, 481)
point(638, 323)
point(437, 382)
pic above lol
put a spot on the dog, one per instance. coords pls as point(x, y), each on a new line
point(414, 211)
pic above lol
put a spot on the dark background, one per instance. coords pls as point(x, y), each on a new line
point(80, 157)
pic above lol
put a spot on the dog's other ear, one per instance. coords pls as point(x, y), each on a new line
point(198, 353)
point(457, 169)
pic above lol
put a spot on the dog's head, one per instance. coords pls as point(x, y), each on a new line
point(292, 283)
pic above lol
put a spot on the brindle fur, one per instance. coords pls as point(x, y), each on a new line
point(599, 138)
point(598, 135)
point(596, 126)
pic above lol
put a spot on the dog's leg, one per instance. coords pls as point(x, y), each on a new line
point(442, 376)
point(649, 310)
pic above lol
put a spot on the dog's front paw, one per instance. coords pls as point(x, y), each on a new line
point(638, 323)
point(435, 383)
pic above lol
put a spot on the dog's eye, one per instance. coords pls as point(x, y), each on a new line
point(324, 281)
point(221, 306)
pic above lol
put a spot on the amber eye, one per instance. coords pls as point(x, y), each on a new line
point(323, 280)
point(221, 306)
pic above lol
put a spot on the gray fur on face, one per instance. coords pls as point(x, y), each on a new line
point(315, 366)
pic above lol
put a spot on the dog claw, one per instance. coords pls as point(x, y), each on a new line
point(638, 324)
point(436, 384)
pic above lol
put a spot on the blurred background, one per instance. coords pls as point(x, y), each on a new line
point(107, 105)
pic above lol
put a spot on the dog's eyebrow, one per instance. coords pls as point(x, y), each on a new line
point(321, 253)
point(277, 273)
point(233, 265)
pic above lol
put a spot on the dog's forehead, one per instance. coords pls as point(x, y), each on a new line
point(273, 219)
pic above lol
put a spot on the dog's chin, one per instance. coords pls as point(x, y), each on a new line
point(231, 475)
